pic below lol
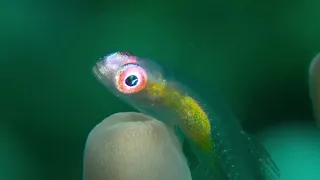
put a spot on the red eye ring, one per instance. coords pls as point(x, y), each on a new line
point(136, 74)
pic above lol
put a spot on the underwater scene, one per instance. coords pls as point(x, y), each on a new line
point(160, 90)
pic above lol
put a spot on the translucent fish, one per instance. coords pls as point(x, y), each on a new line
point(222, 149)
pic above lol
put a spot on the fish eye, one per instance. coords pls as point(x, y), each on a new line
point(130, 78)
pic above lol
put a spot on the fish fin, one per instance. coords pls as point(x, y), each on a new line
point(201, 172)
point(242, 157)
point(267, 166)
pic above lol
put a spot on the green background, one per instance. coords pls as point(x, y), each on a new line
point(256, 53)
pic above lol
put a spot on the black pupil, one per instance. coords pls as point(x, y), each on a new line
point(131, 80)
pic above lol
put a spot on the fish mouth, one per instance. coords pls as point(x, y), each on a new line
point(99, 71)
point(102, 74)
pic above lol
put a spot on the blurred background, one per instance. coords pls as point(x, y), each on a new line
point(256, 53)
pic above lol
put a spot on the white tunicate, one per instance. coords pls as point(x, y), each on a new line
point(314, 86)
point(133, 146)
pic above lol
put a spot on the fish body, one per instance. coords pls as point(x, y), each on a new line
point(223, 150)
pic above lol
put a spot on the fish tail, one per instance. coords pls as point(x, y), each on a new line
point(208, 167)
point(268, 168)
point(243, 158)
